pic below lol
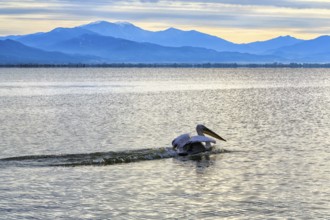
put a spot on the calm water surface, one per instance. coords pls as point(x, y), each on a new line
point(276, 121)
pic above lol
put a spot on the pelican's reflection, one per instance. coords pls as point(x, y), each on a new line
point(201, 162)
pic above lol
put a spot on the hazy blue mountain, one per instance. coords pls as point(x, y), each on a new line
point(177, 38)
point(124, 42)
point(44, 40)
point(12, 52)
point(315, 58)
point(121, 50)
point(269, 45)
point(122, 30)
point(170, 37)
point(10, 37)
point(315, 48)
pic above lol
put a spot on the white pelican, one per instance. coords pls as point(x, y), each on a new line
point(187, 144)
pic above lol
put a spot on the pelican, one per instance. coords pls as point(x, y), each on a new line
point(187, 144)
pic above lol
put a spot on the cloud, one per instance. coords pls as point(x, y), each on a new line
point(299, 16)
point(272, 3)
point(153, 1)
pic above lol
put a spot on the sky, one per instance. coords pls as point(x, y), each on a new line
point(239, 21)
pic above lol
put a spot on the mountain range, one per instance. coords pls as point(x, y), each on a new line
point(123, 42)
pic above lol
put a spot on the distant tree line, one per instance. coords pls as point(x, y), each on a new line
point(171, 65)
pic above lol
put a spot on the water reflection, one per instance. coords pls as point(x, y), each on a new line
point(199, 162)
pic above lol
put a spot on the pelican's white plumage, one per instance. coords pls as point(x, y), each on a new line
point(188, 144)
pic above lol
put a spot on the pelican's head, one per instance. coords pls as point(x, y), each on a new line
point(201, 130)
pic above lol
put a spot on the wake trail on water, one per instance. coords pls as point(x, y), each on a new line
point(98, 158)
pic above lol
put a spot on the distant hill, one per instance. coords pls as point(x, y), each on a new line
point(120, 50)
point(122, 30)
point(124, 42)
point(178, 38)
point(170, 37)
point(266, 47)
point(44, 40)
point(91, 49)
point(12, 52)
point(316, 49)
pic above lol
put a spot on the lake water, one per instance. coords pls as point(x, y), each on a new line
point(275, 164)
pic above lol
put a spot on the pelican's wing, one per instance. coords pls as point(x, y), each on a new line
point(181, 141)
point(198, 139)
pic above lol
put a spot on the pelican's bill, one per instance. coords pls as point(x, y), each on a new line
point(212, 134)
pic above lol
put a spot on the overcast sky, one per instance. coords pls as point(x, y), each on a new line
point(234, 20)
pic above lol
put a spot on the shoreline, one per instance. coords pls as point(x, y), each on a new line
point(170, 65)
